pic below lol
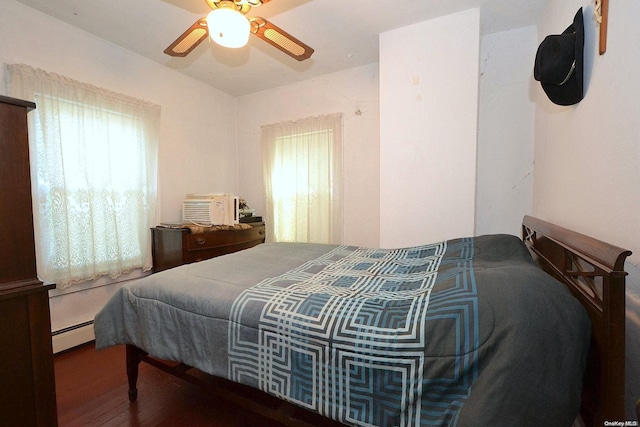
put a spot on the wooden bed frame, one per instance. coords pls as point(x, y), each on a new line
point(594, 272)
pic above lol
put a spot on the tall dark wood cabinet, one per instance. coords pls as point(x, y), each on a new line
point(27, 383)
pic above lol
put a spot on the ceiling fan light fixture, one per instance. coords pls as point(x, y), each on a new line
point(228, 27)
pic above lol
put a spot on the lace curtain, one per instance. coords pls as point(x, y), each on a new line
point(303, 180)
point(93, 169)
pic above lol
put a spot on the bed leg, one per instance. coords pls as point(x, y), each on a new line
point(133, 362)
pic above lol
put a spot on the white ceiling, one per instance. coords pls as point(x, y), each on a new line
point(344, 34)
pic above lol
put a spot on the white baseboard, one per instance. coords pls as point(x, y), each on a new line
point(72, 338)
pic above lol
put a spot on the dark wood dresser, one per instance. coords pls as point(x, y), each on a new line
point(27, 382)
point(176, 246)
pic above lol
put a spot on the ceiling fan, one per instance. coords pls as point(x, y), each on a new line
point(226, 19)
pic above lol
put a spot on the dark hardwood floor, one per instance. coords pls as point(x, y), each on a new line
point(91, 390)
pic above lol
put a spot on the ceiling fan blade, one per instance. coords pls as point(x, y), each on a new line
point(279, 38)
point(189, 39)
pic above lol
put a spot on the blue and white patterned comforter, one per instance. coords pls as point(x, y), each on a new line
point(467, 332)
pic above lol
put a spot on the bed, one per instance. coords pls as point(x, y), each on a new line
point(488, 330)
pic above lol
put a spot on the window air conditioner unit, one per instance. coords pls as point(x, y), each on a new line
point(216, 209)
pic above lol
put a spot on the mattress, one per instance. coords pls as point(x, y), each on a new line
point(465, 332)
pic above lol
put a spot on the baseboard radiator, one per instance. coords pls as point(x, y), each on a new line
point(72, 336)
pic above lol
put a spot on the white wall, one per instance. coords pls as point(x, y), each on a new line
point(504, 183)
point(587, 157)
point(197, 139)
point(428, 129)
point(352, 92)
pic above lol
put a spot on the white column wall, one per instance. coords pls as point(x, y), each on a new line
point(428, 129)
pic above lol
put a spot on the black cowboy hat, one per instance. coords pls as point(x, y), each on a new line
point(559, 64)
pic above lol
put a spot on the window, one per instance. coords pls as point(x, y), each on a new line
point(303, 180)
point(93, 169)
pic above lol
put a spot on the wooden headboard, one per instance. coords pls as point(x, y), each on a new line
point(594, 272)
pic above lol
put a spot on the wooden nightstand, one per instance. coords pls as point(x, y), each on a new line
point(176, 246)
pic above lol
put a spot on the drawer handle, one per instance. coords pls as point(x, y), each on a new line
point(261, 232)
point(200, 241)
